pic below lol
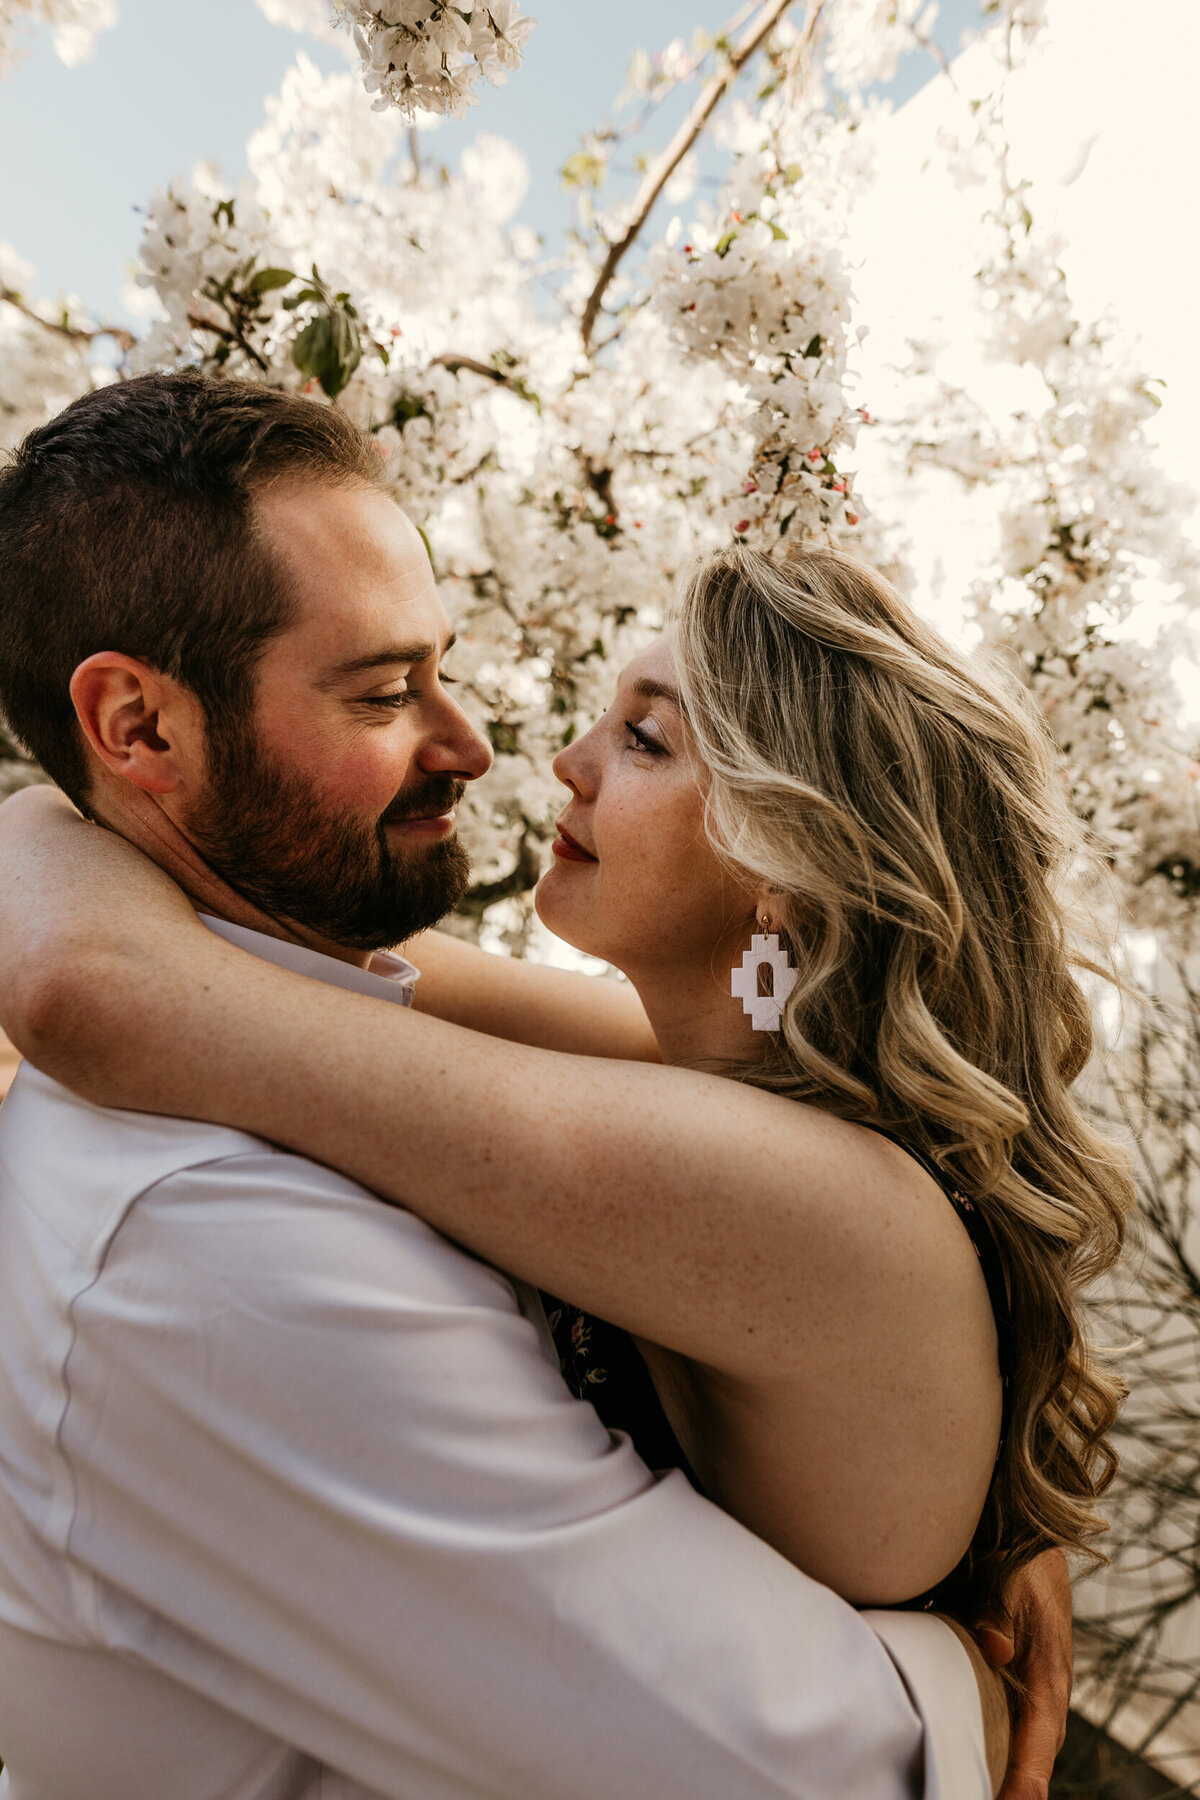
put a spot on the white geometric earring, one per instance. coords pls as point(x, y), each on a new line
point(765, 1010)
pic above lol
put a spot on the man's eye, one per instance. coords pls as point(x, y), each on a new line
point(406, 696)
point(391, 702)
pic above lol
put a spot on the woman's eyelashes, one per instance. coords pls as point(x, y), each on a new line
point(642, 740)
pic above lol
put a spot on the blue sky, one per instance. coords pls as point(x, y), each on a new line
point(83, 148)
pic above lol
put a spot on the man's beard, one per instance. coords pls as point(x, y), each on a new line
point(266, 830)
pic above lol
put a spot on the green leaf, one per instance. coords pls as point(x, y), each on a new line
point(266, 279)
point(723, 243)
point(328, 350)
point(777, 231)
point(813, 346)
point(583, 170)
point(406, 407)
point(503, 737)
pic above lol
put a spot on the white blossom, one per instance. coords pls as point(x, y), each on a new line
point(868, 37)
point(74, 24)
point(429, 55)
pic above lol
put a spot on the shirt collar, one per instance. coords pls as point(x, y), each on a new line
point(386, 977)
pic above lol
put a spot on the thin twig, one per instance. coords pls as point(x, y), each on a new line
point(660, 173)
point(230, 335)
point(81, 334)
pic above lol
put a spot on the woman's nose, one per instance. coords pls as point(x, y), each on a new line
point(575, 765)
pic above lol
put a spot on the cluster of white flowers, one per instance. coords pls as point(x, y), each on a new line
point(760, 290)
point(867, 38)
point(44, 367)
point(1089, 531)
point(74, 23)
point(429, 55)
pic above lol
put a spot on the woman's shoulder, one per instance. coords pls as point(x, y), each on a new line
point(884, 1235)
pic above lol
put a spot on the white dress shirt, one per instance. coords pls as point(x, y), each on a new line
point(294, 1505)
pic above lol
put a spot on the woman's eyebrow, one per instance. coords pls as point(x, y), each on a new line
point(658, 690)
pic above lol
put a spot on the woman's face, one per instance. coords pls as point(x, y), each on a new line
point(635, 879)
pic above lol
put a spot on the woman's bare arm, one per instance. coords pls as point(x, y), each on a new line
point(720, 1222)
point(553, 1009)
point(508, 998)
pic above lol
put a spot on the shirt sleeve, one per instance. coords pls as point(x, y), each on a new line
point(325, 1476)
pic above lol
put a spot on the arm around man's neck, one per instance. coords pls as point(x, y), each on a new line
point(65, 903)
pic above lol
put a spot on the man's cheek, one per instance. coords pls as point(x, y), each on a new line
point(366, 773)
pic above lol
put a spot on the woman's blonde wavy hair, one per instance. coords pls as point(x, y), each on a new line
point(903, 806)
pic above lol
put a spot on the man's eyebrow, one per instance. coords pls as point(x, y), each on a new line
point(391, 654)
point(658, 690)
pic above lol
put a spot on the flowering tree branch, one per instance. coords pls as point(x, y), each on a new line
point(78, 334)
point(660, 173)
point(455, 363)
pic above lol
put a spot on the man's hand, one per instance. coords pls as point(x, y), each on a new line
point(1036, 1645)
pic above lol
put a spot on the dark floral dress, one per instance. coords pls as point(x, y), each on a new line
point(601, 1363)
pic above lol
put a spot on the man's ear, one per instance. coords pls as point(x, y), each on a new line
point(144, 726)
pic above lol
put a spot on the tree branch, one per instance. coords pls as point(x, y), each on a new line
point(455, 363)
point(656, 177)
point(76, 334)
point(230, 335)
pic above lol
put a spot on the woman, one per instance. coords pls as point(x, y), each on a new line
point(846, 1222)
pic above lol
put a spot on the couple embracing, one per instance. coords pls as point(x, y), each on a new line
point(505, 1385)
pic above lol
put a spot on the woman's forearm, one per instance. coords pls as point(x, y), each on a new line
point(552, 1009)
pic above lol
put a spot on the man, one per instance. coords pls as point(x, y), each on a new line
point(293, 1501)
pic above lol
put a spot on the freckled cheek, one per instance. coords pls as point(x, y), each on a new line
point(652, 854)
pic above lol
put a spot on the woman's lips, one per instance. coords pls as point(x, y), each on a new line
point(567, 850)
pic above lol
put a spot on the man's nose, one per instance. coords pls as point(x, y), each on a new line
point(456, 748)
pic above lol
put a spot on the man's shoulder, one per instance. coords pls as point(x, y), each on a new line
point(166, 1188)
point(52, 1141)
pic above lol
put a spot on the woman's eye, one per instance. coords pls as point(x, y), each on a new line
point(643, 740)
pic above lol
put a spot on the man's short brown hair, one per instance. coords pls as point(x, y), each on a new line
point(127, 523)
